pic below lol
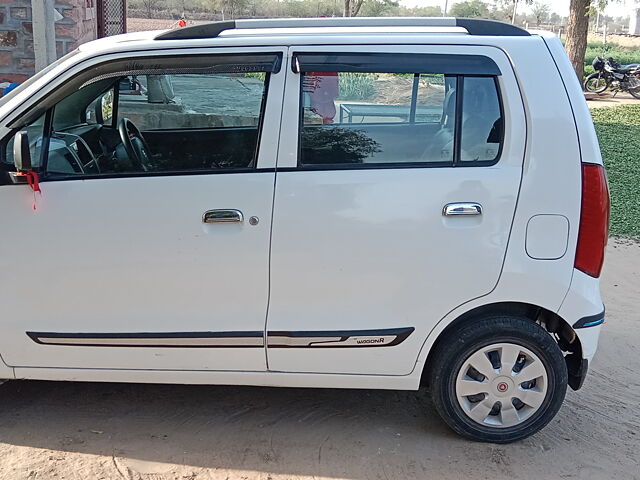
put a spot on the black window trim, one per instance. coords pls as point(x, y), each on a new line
point(46, 139)
point(116, 104)
point(35, 110)
point(455, 163)
point(384, 62)
point(166, 173)
point(457, 129)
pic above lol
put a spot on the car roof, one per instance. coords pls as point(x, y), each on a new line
point(472, 26)
point(288, 30)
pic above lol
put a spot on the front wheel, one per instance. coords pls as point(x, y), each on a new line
point(634, 89)
point(596, 83)
point(500, 379)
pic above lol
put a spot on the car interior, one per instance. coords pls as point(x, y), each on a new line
point(409, 138)
point(101, 129)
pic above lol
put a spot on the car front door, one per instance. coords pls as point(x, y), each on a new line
point(148, 247)
point(398, 176)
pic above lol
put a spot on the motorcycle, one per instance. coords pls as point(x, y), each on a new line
point(610, 74)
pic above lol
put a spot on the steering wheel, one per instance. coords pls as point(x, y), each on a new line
point(134, 144)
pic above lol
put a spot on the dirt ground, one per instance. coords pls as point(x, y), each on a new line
point(607, 99)
point(162, 432)
point(623, 40)
point(143, 24)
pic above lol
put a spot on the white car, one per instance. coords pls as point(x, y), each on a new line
point(342, 203)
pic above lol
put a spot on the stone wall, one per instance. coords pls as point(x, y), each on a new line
point(76, 24)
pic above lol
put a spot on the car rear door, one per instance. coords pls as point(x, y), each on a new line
point(397, 182)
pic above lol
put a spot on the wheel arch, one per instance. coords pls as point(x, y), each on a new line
point(560, 329)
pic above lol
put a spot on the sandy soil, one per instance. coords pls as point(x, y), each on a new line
point(143, 24)
point(607, 99)
point(623, 40)
point(158, 432)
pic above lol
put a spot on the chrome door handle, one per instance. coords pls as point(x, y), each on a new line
point(222, 216)
point(462, 208)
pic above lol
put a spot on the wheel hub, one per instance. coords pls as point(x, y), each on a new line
point(501, 385)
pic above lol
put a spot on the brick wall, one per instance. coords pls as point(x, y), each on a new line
point(76, 24)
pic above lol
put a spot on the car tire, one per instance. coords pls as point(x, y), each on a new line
point(489, 345)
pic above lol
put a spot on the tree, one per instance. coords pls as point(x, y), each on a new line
point(232, 8)
point(500, 12)
point(151, 6)
point(352, 7)
point(577, 31)
point(554, 19)
point(378, 8)
point(470, 9)
point(512, 7)
point(540, 11)
point(421, 11)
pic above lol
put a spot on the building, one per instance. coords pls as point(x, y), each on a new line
point(76, 22)
point(634, 21)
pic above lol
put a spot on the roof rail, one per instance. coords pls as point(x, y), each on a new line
point(474, 26)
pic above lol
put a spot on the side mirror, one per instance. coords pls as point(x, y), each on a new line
point(21, 151)
point(104, 109)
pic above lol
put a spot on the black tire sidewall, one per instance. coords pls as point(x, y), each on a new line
point(596, 75)
point(636, 94)
point(516, 330)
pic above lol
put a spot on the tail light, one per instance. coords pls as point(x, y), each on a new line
point(594, 220)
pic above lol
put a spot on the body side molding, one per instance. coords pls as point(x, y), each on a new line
point(251, 339)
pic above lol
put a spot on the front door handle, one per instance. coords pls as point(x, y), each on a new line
point(462, 208)
point(230, 215)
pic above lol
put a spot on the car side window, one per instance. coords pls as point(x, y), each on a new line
point(359, 118)
point(394, 116)
point(482, 121)
point(192, 101)
point(175, 123)
point(169, 115)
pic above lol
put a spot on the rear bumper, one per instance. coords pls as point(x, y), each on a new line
point(589, 337)
point(588, 332)
point(590, 321)
point(584, 311)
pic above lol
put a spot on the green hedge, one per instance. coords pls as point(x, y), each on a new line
point(622, 55)
point(618, 131)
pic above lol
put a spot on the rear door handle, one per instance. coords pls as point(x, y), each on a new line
point(462, 208)
point(230, 215)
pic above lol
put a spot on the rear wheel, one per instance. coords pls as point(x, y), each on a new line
point(595, 83)
point(501, 379)
point(634, 89)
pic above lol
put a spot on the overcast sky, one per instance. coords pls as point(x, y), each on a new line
point(561, 7)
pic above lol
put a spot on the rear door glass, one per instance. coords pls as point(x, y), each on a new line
point(355, 115)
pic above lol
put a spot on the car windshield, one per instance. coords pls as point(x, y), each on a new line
point(37, 76)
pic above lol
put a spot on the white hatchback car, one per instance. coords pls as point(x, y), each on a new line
point(350, 203)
